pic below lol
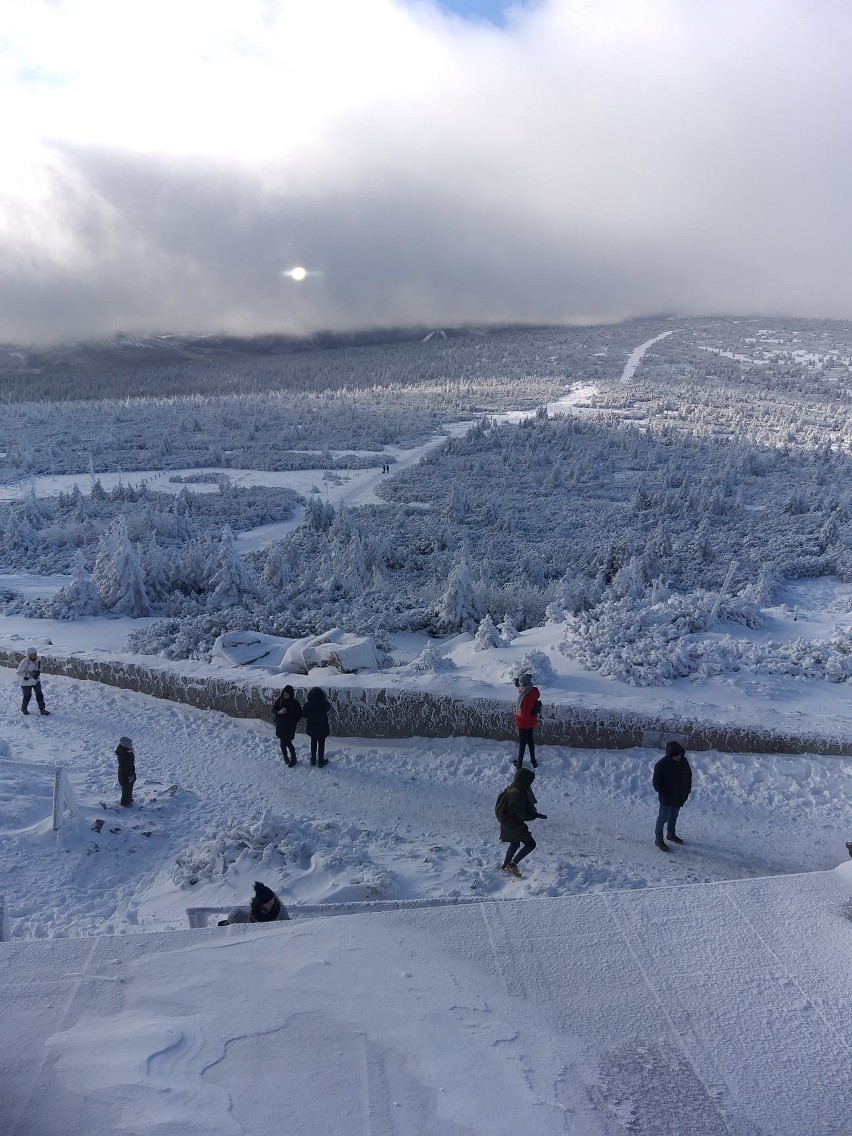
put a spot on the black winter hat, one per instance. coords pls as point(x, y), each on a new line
point(524, 778)
point(288, 690)
point(675, 749)
point(262, 893)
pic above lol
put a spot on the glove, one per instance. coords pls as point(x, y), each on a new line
point(36, 674)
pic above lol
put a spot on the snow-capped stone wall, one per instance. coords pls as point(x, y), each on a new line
point(403, 713)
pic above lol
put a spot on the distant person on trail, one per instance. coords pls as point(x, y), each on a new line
point(515, 806)
point(527, 710)
point(265, 907)
point(673, 784)
point(29, 675)
point(317, 707)
point(126, 770)
point(288, 711)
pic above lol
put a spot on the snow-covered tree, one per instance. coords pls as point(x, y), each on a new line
point(232, 582)
point(487, 635)
point(458, 608)
point(118, 574)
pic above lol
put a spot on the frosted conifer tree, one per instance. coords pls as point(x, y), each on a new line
point(118, 574)
point(80, 597)
point(487, 635)
point(508, 630)
point(458, 609)
point(280, 566)
point(232, 581)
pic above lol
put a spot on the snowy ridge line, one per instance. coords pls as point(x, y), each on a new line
point(197, 916)
point(398, 712)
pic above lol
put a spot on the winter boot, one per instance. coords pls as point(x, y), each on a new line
point(533, 763)
point(513, 870)
point(322, 761)
point(674, 839)
point(661, 844)
point(24, 710)
point(43, 711)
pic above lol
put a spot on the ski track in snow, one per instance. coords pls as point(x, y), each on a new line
point(385, 820)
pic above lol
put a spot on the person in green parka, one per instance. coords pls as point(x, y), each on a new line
point(517, 807)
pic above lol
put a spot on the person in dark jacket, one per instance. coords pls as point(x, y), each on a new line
point(673, 784)
point(288, 711)
point(126, 770)
point(519, 807)
point(527, 709)
point(317, 707)
point(265, 907)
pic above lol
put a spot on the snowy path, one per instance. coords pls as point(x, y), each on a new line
point(385, 820)
point(350, 488)
point(636, 355)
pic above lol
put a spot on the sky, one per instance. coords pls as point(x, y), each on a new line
point(166, 165)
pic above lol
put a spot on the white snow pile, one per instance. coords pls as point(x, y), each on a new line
point(335, 648)
point(279, 846)
point(248, 649)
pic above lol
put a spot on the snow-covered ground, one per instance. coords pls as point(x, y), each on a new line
point(386, 820)
point(605, 997)
point(701, 993)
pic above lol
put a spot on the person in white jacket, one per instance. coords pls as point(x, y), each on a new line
point(29, 674)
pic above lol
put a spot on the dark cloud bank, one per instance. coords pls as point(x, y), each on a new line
point(698, 164)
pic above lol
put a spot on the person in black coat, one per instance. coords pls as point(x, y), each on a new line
point(673, 784)
point(126, 770)
point(519, 807)
point(317, 707)
point(288, 711)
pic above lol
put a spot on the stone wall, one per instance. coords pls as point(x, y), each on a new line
point(402, 713)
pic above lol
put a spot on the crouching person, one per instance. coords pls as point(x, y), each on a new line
point(265, 907)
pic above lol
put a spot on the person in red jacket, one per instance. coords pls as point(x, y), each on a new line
point(527, 710)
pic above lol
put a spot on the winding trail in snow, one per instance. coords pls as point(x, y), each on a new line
point(637, 353)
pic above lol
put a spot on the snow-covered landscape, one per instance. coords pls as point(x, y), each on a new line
point(704, 614)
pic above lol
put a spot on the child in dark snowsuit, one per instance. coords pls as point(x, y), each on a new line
point(317, 707)
point(126, 769)
point(288, 711)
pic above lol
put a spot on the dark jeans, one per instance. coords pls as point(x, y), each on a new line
point(528, 845)
point(667, 816)
point(126, 793)
point(288, 749)
point(317, 750)
point(525, 741)
point(28, 692)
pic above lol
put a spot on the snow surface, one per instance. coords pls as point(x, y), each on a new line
point(703, 993)
point(579, 1010)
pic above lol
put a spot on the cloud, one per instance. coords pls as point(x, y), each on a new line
point(590, 159)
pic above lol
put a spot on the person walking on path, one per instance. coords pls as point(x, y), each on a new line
point(317, 707)
point(288, 711)
point(29, 675)
point(515, 806)
point(673, 784)
point(126, 770)
point(265, 907)
point(527, 710)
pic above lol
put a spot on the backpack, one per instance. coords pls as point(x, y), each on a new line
point(501, 805)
